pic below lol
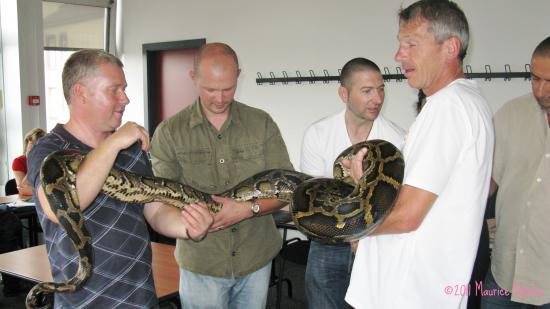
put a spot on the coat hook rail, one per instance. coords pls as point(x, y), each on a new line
point(488, 75)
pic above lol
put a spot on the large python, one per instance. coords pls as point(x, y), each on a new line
point(330, 210)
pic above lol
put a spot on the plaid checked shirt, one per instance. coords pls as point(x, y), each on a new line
point(122, 275)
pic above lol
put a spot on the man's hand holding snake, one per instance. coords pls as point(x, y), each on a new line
point(356, 164)
point(231, 213)
point(197, 220)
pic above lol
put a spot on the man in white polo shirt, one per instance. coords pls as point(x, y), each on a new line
point(422, 254)
point(362, 91)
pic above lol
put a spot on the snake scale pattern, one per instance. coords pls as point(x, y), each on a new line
point(329, 210)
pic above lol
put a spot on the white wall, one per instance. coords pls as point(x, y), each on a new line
point(310, 34)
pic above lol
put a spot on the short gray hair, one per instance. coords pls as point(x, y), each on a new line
point(83, 64)
point(446, 19)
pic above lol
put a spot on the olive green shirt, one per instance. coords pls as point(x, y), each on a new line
point(521, 168)
point(188, 149)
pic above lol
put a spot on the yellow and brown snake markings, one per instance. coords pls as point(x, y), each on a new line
point(325, 209)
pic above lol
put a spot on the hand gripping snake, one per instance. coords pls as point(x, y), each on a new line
point(325, 209)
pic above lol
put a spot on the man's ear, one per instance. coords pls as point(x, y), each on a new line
point(452, 47)
point(192, 75)
point(79, 91)
point(343, 93)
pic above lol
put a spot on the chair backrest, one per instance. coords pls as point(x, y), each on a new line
point(11, 187)
point(295, 250)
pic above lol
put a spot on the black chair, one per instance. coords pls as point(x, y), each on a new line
point(294, 250)
point(281, 218)
point(11, 187)
point(32, 227)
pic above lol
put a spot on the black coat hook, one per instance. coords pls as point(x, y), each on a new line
point(488, 72)
point(299, 75)
point(285, 76)
point(399, 74)
point(507, 71)
point(327, 75)
point(312, 74)
point(468, 71)
point(386, 74)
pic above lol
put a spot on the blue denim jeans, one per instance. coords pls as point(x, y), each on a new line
point(501, 301)
point(203, 292)
point(327, 275)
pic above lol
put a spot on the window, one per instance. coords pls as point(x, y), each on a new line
point(68, 27)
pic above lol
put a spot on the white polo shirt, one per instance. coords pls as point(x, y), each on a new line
point(326, 138)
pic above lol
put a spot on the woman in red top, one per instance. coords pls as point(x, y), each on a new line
point(19, 165)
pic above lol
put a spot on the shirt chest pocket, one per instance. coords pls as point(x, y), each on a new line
point(197, 168)
point(248, 159)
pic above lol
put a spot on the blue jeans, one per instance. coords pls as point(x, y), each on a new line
point(202, 292)
point(501, 301)
point(327, 275)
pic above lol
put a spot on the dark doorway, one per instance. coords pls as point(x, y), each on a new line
point(169, 86)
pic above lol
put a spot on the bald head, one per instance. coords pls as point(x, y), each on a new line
point(543, 49)
point(216, 55)
point(540, 74)
point(215, 75)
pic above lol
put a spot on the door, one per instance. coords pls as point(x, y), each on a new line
point(169, 86)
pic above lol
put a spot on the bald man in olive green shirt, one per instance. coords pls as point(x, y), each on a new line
point(213, 145)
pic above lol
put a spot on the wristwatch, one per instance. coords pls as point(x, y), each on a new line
point(255, 208)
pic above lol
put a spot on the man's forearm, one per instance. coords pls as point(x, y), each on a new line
point(92, 173)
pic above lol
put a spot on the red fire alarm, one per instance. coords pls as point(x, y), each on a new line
point(34, 100)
